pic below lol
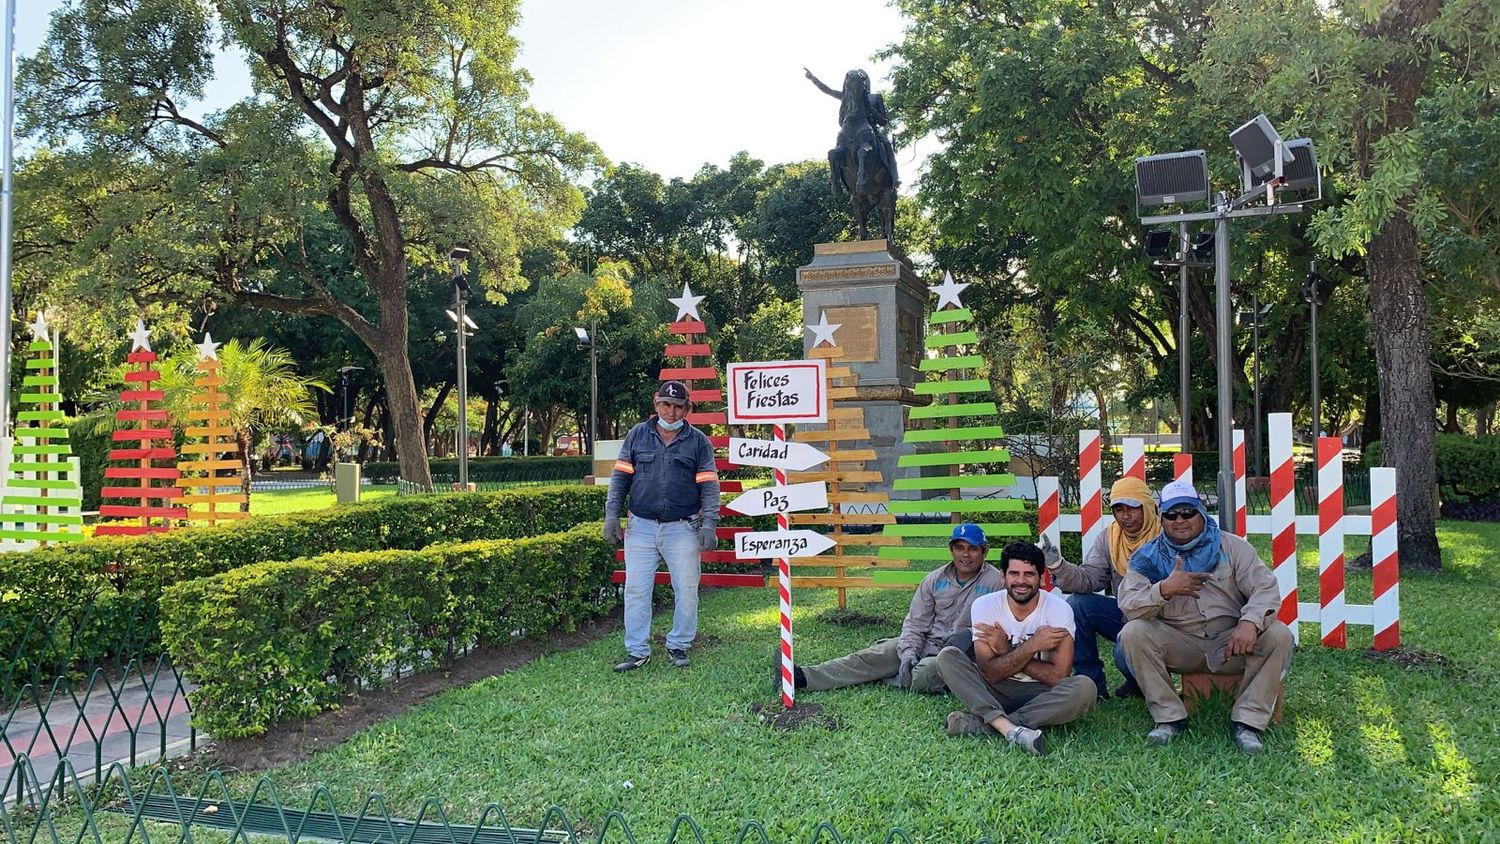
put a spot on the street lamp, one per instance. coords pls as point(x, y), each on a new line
point(1190, 253)
point(458, 266)
point(344, 371)
point(588, 338)
point(1178, 178)
point(1253, 316)
point(1315, 290)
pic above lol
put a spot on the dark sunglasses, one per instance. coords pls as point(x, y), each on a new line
point(1178, 514)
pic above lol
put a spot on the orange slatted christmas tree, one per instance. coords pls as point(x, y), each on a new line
point(147, 506)
point(699, 374)
point(211, 478)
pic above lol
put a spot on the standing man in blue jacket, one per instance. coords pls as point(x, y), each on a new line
point(666, 470)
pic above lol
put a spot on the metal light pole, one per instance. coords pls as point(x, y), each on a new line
point(1255, 329)
point(1223, 336)
point(7, 153)
point(344, 371)
point(589, 338)
point(1184, 343)
point(458, 263)
point(1310, 293)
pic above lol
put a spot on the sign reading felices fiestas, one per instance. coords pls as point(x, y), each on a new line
point(777, 392)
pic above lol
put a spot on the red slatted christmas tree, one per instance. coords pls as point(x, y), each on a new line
point(701, 376)
point(149, 459)
point(211, 467)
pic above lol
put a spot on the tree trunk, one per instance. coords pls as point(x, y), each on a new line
point(247, 471)
point(1407, 407)
point(404, 422)
point(430, 417)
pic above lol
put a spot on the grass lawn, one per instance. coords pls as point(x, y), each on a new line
point(1369, 750)
point(276, 501)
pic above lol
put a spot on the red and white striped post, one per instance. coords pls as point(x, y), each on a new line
point(1133, 457)
point(784, 584)
point(1386, 610)
point(1048, 505)
point(1090, 494)
point(1331, 541)
point(1284, 518)
point(1240, 506)
point(1182, 468)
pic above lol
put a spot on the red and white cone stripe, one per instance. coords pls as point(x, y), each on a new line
point(1284, 518)
point(1331, 541)
point(1182, 468)
point(1386, 613)
point(1048, 505)
point(1090, 496)
point(784, 584)
point(1241, 509)
point(1133, 454)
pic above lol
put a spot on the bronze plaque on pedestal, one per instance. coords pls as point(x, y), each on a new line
point(859, 331)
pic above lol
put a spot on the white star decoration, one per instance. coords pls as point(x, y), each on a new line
point(823, 332)
point(140, 338)
point(208, 348)
point(948, 292)
point(687, 303)
point(39, 328)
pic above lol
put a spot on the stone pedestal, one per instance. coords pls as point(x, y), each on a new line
point(879, 302)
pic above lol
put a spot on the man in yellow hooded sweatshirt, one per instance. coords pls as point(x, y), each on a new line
point(1136, 522)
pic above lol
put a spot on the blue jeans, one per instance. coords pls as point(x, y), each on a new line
point(648, 543)
point(1097, 615)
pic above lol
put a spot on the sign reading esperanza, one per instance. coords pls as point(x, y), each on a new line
point(777, 392)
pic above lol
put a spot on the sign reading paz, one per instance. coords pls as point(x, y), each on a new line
point(782, 499)
point(757, 545)
point(786, 456)
point(777, 392)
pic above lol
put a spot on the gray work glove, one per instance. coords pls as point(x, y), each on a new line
point(708, 540)
point(1051, 555)
point(903, 676)
point(612, 532)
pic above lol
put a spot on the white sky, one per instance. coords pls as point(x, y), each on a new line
point(670, 84)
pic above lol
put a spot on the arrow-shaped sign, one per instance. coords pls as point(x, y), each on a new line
point(786, 456)
point(782, 499)
point(762, 544)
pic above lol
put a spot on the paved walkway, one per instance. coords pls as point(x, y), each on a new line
point(95, 722)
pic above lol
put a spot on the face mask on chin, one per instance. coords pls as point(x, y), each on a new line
point(669, 426)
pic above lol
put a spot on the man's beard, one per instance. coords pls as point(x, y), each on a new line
point(1024, 601)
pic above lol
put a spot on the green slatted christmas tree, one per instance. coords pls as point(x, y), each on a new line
point(963, 418)
point(43, 500)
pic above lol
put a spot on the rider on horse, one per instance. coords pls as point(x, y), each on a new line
point(861, 116)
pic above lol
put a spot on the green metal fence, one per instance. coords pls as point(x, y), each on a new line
point(116, 810)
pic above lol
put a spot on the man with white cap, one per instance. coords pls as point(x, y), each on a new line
point(1200, 600)
point(666, 468)
point(939, 609)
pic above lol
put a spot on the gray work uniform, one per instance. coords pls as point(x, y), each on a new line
point(939, 609)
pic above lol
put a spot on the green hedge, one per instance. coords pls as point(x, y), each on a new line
point(492, 470)
point(274, 641)
point(1468, 468)
point(94, 600)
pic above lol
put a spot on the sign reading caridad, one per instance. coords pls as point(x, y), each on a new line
point(777, 392)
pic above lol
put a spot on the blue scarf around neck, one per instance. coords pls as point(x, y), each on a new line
point(1202, 553)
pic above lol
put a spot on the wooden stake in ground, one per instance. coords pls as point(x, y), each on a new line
point(146, 506)
point(211, 479)
point(43, 500)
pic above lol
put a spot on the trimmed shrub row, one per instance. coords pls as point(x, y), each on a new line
point(274, 641)
point(491, 470)
point(87, 602)
point(1468, 468)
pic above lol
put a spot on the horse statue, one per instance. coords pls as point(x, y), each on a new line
point(862, 162)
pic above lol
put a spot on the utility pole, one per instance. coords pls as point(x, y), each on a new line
point(458, 262)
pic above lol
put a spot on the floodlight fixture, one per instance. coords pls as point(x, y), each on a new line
point(1158, 243)
point(583, 335)
point(468, 322)
point(1261, 151)
point(1201, 250)
point(1173, 178)
point(1302, 181)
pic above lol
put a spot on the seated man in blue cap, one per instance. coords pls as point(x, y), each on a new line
point(939, 609)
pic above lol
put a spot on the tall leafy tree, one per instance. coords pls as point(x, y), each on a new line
point(403, 126)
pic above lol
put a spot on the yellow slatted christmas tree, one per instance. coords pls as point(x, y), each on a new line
point(212, 472)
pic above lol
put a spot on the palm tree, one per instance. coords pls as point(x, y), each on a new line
point(263, 386)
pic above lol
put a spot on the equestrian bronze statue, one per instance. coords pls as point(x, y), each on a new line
point(862, 161)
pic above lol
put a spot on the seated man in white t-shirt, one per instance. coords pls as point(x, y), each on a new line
point(1018, 680)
